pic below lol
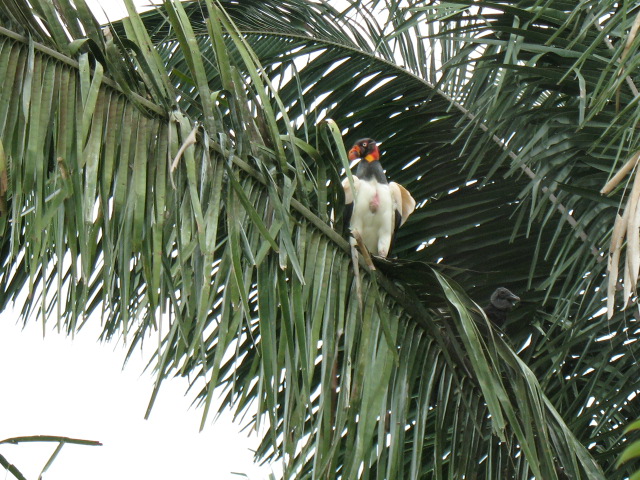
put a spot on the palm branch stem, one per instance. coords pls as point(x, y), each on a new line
point(11, 468)
point(72, 63)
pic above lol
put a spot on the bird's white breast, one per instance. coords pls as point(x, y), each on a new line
point(373, 216)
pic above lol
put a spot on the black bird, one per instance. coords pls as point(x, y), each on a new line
point(502, 301)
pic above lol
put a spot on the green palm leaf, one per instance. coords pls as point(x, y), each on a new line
point(181, 178)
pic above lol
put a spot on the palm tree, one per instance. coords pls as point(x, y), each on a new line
point(179, 173)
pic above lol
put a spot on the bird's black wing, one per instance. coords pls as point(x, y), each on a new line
point(349, 198)
point(498, 317)
point(346, 219)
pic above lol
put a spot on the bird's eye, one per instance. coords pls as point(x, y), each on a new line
point(364, 144)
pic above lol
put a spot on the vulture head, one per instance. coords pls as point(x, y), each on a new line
point(366, 149)
point(503, 300)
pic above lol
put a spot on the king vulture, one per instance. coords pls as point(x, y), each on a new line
point(374, 208)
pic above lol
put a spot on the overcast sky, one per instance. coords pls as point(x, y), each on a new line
point(76, 388)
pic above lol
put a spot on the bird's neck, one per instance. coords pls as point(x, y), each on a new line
point(371, 171)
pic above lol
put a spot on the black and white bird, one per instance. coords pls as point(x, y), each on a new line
point(374, 208)
point(502, 301)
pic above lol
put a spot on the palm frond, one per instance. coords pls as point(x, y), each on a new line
point(181, 177)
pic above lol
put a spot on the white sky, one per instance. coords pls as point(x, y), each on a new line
point(115, 9)
point(77, 388)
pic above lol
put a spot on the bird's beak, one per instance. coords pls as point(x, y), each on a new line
point(355, 153)
point(514, 299)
